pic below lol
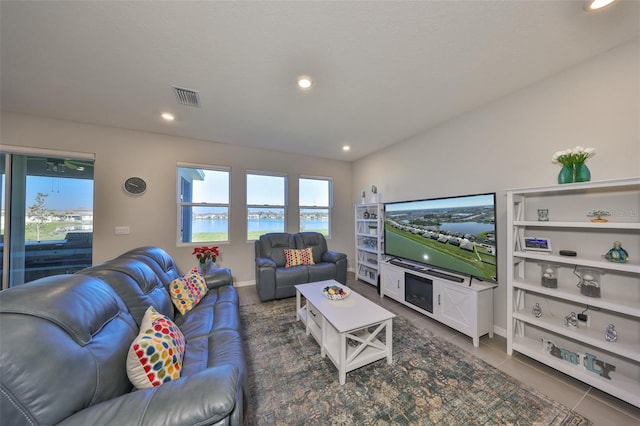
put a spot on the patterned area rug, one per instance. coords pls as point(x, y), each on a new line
point(431, 381)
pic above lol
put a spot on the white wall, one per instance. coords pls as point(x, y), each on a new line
point(152, 218)
point(509, 143)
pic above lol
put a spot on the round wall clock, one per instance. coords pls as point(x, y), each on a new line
point(134, 186)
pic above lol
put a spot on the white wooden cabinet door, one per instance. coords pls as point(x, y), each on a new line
point(393, 283)
point(457, 307)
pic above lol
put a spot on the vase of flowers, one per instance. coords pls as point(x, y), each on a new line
point(566, 174)
point(581, 173)
point(206, 258)
point(573, 167)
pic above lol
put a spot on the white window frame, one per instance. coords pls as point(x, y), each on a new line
point(329, 207)
point(266, 206)
point(181, 204)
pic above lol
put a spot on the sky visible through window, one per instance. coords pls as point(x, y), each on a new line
point(265, 190)
point(314, 192)
point(62, 193)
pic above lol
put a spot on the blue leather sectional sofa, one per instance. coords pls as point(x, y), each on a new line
point(64, 341)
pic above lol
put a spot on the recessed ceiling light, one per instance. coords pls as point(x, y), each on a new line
point(346, 148)
point(305, 82)
point(597, 4)
point(168, 116)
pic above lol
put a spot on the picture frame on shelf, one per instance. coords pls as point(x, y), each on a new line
point(541, 244)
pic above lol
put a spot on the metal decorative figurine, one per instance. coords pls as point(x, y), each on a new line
point(571, 320)
point(597, 215)
point(543, 215)
point(611, 335)
point(537, 310)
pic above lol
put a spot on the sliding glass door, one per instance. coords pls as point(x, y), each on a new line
point(47, 216)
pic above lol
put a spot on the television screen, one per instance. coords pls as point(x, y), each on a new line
point(457, 234)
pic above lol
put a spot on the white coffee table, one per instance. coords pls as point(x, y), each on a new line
point(348, 330)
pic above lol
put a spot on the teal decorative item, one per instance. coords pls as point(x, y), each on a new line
point(617, 253)
point(581, 173)
point(566, 174)
point(573, 167)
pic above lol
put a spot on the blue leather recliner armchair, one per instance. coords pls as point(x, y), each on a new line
point(275, 281)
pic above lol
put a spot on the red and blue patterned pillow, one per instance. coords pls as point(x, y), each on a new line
point(156, 354)
point(298, 257)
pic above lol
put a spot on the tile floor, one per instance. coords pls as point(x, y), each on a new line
point(599, 407)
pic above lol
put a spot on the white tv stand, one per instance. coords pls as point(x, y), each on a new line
point(463, 304)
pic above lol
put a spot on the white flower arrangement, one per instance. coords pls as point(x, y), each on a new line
point(572, 156)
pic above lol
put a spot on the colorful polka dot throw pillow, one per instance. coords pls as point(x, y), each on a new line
point(298, 257)
point(198, 280)
point(156, 354)
point(187, 291)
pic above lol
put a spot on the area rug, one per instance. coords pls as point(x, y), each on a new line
point(431, 381)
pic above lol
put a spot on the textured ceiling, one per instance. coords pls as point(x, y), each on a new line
point(384, 71)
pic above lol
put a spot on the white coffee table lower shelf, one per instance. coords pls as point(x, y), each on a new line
point(349, 331)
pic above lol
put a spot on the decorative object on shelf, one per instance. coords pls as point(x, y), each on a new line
point(617, 253)
point(571, 320)
point(537, 244)
point(610, 334)
point(598, 215)
point(573, 167)
point(543, 215)
point(566, 174)
point(373, 216)
point(373, 230)
point(369, 242)
point(549, 276)
point(589, 281)
point(335, 292)
point(586, 360)
point(206, 258)
point(581, 173)
point(365, 215)
point(537, 310)
point(374, 192)
point(364, 198)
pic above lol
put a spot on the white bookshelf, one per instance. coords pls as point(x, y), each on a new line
point(369, 241)
point(580, 351)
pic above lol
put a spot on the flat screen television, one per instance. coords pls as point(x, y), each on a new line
point(456, 234)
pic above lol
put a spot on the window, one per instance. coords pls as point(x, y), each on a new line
point(266, 204)
point(47, 216)
point(203, 204)
point(316, 201)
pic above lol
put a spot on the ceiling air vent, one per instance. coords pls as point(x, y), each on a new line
point(187, 97)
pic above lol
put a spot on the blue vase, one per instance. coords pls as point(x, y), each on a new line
point(566, 174)
point(582, 173)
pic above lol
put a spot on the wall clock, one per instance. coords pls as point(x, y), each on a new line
point(134, 186)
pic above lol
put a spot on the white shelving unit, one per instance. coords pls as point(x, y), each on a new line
point(582, 351)
point(369, 241)
point(466, 307)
